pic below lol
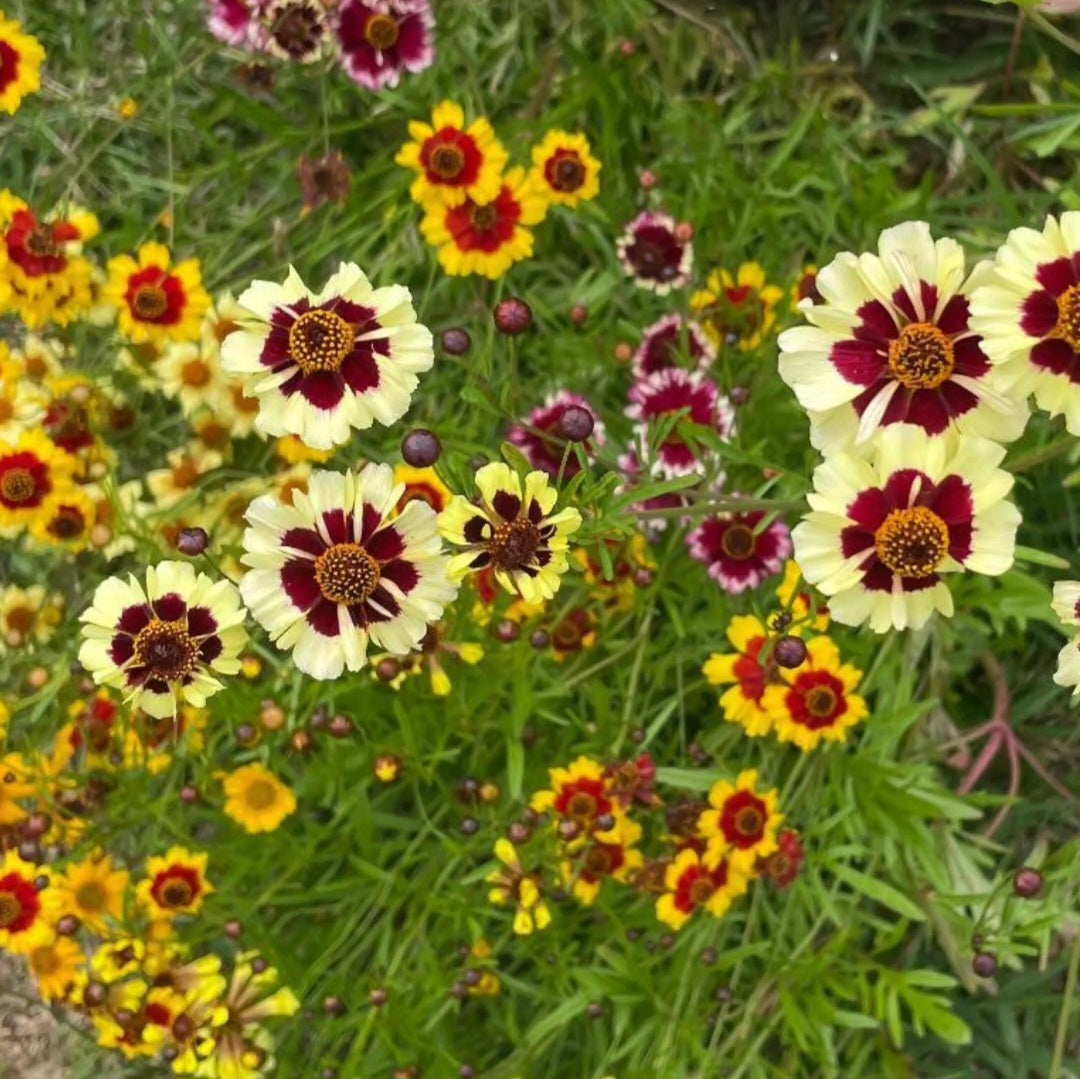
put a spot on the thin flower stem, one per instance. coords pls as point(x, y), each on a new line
point(1061, 1036)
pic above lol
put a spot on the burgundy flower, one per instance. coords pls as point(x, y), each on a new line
point(667, 341)
point(380, 38)
point(539, 439)
point(738, 551)
point(652, 253)
point(236, 22)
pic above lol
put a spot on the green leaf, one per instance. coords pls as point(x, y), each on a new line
point(880, 892)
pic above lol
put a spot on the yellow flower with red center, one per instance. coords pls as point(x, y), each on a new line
point(805, 288)
point(691, 885)
point(19, 787)
point(157, 301)
point(580, 794)
point(66, 519)
point(256, 799)
point(739, 309)
point(806, 611)
point(32, 470)
point(743, 823)
point(564, 170)
point(21, 57)
point(27, 913)
point(513, 885)
point(93, 891)
point(175, 884)
point(486, 238)
point(612, 857)
point(817, 702)
point(56, 966)
point(453, 162)
point(118, 959)
point(387, 768)
point(422, 484)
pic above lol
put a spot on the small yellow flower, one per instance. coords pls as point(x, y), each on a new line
point(93, 891)
point(56, 967)
point(742, 824)
point(175, 884)
point(387, 768)
point(514, 885)
point(128, 109)
point(256, 799)
point(294, 451)
point(564, 170)
point(21, 57)
point(739, 309)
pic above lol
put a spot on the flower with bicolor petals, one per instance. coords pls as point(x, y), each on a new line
point(340, 569)
point(652, 253)
point(236, 22)
point(612, 857)
point(742, 824)
point(166, 643)
point(295, 30)
point(33, 474)
point(667, 341)
point(891, 342)
point(1066, 605)
point(27, 912)
point(1028, 312)
point(323, 364)
point(175, 884)
point(379, 39)
point(886, 524)
point(564, 169)
point(579, 794)
point(539, 439)
point(513, 530)
point(737, 309)
point(783, 865)
point(691, 885)
point(21, 57)
point(511, 885)
point(740, 549)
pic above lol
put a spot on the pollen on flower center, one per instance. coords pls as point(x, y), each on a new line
point(582, 806)
point(67, 524)
point(1068, 323)
point(17, 485)
point(701, 891)
point(195, 373)
point(513, 544)
point(346, 573)
point(177, 893)
point(738, 541)
point(150, 301)
point(381, 31)
point(569, 174)
point(598, 861)
point(260, 795)
point(298, 29)
point(748, 821)
point(42, 242)
point(166, 649)
point(922, 357)
point(90, 896)
point(820, 702)
point(447, 162)
point(10, 909)
point(912, 542)
point(320, 340)
point(483, 218)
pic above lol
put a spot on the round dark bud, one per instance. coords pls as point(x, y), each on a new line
point(29, 851)
point(470, 826)
point(790, 652)
point(528, 737)
point(709, 956)
point(233, 930)
point(459, 991)
point(507, 631)
point(328, 1073)
point(124, 1016)
point(578, 314)
point(781, 620)
point(421, 448)
point(189, 795)
point(68, 926)
point(333, 1006)
point(301, 742)
point(568, 829)
point(466, 1072)
point(377, 998)
point(340, 726)
point(643, 577)
point(36, 825)
point(469, 789)
point(471, 977)
point(576, 423)
point(739, 394)
point(192, 541)
point(594, 1010)
point(984, 964)
point(518, 833)
point(386, 670)
point(722, 995)
point(605, 822)
point(540, 639)
point(667, 940)
point(247, 734)
point(94, 994)
point(513, 316)
point(259, 965)
point(319, 718)
point(637, 735)
point(456, 341)
point(1027, 883)
point(183, 1027)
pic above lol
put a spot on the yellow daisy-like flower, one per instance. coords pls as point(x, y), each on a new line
point(580, 794)
point(56, 967)
point(817, 703)
point(128, 109)
point(14, 791)
point(22, 402)
point(564, 170)
point(186, 466)
point(513, 885)
point(693, 883)
point(27, 913)
point(611, 857)
point(118, 959)
point(66, 519)
point(175, 884)
point(32, 470)
point(21, 57)
point(738, 310)
point(742, 825)
point(486, 238)
point(93, 891)
point(807, 613)
point(514, 531)
point(293, 451)
point(453, 162)
point(28, 616)
point(192, 375)
point(256, 799)
point(156, 301)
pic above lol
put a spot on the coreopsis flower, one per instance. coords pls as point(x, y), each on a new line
point(667, 341)
point(653, 254)
point(18, 783)
point(539, 439)
point(580, 794)
point(802, 608)
point(689, 395)
point(236, 22)
point(156, 301)
point(296, 30)
point(486, 238)
point(93, 891)
point(740, 549)
point(33, 471)
point(39, 359)
point(1066, 602)
point(816, 701)
point(167, 643)
point(805, 288)
point(21, 57)
point(28, 616)
point(186, 467)
point(118, 959)
point(323, 180)
point(691, 885)
point(612, 857)
point(379, 39)
point(322, 364)
point(573, 633)
point(1028, 313)
point(423, 485)
point(337, 570)
point(192, 375)
point(887, 524)
point(454, 163)
point(22, 402)
point(891, 342)
point(564, 169)
point(512, 885)
point(387, 768)
point(783, 865)
point(27, 913)
point(256, 799)
point(737, 310)
point(175, 883)
point(513, 530)
point(66, 519)
point(742, 824)
point(56, 966)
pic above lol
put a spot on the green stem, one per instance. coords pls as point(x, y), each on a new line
point(1066, 1008)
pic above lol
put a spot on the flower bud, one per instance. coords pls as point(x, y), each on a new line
point(421, 448)
point(513, 316)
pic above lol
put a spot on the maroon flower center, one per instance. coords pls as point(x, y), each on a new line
point(821, 702)
point(346, 573)
point(749, 821)
point(701, 891)
point(17, 485)
point(738, 541)
point(484, 218)
point(67, 524)
point(581, 807)
point(513, 544)
point(447, 161)
point(10, 909)
point(569, 174)
point(166, 649)
point(177, 893)
point(598, 862)
point(912, 542)
point(922, 357)
point(298, 30)
point(150, 302)
point(381, 31)
point(42, 242)
point(1068, 323)
point(320, 340)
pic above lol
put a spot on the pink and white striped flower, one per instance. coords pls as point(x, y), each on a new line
point(236, 22)
point(739, 549)
point(652, 253)
point(539, 439)
point(381, 38)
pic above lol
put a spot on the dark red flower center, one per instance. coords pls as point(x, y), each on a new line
point(748, 821)
point(447, 161)
point(42, 242)
point(299, 29)
point(821, 702)
point(67, 524)
point(566, 171)
point(150, 302)
point(10, 909)
point(166, 650)
point(738, 541)
point(922, 357)
point(346, 573)
point(912, 542)
point(513, 544)
point(1068, 323)
point(484, 218)
point(177, 893)
point(701, 891)
point(176, 887)
point(581, 807)
point(320, 340)
point(381, 31)
point(600, 860)
point(17, 485)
